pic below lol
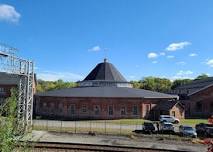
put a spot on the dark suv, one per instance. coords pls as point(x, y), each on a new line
point(148, 127)
point(204, 129)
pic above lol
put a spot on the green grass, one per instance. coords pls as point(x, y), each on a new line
point(127, 121)
point(192, 122)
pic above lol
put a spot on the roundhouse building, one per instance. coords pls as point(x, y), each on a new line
point(105, 94)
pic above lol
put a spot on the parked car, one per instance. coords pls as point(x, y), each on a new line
point(166, 127)
point(187, 131)
point(148, 127)
point(203, 129)
point(168, 118)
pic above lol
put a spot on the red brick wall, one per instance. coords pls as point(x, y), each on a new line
point(58, 107)
point(201, 103)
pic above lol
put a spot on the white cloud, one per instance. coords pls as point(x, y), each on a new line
point(177, 46)
point(152, 55)
point(183, 73)
point(8, 13)
point(162, 53)
point(53, 76)
point(132, 76)
point(154, 62)
point(95, 49)
point(181, 63)
point(170, 56)
point(210, 62)
point(188, 74)
point(192, 54)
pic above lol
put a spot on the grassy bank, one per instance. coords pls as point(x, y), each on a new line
point(191, 122)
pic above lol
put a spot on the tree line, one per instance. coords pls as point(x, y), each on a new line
point(148, 83)
point(163, 84)
point(43, 86)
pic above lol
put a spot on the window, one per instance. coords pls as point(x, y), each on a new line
point(147, 108)
point(60, 107)
point(72, 109)
point(123, 110)
point(110, 110)
point(97, 110)
point(1, 90)
point(198, 106)
point(84, 108)
point(187, 91)
point(135, 110)
point(52, 105)
point(44, 104)
point(211, 109)
point(1, 101)
point(173, 113)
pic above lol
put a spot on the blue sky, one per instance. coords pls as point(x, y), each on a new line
point(67, 38)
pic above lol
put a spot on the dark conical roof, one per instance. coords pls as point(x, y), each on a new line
point(105, 71)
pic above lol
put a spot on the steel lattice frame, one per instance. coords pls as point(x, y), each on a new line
point(23, 69)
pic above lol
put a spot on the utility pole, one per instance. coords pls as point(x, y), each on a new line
point(23, 69)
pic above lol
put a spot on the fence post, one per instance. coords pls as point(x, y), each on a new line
point(120, 127)
point(75, 126)
point(90, 126)
point(61, 127)
point(105, 126)
point(47, 125)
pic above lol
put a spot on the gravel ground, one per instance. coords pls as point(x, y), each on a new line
point(117, 140)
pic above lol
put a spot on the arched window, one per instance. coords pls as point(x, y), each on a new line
point(84, 108)
point(61, 107)
point(97, 110)
point(123, 110)
point(135, 110)
point(110, 110)
point(72, 109)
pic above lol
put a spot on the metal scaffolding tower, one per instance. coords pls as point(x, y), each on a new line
point(23, 69)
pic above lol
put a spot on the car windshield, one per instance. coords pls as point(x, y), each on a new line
point(188, 128)
point(148, 124)
point(168, 125)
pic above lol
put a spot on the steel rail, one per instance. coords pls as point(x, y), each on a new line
point(93, 147)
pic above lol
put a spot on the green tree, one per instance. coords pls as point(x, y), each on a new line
point(180, 82)
point(8, 123)
point(202, 76)
point(153, 83)
point(43, 86)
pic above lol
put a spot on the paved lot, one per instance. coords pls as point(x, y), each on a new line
point(117, 140)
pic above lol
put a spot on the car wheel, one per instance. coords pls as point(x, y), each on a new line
point(176, 122)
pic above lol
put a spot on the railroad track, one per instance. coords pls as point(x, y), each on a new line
point(71, 147)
